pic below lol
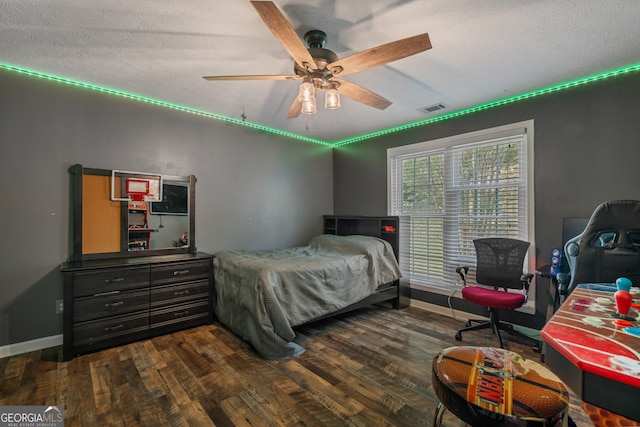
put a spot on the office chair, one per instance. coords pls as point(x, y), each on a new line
point(500, 266)
point(608, 248)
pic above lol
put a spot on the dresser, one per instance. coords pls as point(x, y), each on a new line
point(109, 302)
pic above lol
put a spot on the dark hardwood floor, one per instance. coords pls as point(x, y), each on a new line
point(367, 368)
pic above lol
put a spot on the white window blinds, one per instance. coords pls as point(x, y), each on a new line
point(458, 189)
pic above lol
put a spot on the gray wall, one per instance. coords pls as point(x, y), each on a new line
point(257, 190)
point(587, 151)
point(254, 190)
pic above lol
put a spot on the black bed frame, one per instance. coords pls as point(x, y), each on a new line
point(393, 229)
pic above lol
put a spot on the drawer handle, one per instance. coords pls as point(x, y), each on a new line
point(114, 304)
point(114, 328)
point(180, 272)
point(181, 313)
point(102, 294)
point(116, 280)
point(185, 292)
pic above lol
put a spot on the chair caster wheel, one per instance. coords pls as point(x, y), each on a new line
point(458, 336)
point(468, 323)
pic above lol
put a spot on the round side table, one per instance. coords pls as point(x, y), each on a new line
point(487, 386)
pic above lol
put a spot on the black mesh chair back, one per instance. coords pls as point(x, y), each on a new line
point(499, 262)
point(609, 246)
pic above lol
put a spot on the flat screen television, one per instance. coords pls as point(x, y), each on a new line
point(175, 200)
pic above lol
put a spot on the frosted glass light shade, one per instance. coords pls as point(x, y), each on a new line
point(309, 107)
point(306, 92)
point(332, 99)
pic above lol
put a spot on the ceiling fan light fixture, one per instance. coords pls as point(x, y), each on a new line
point(332, 99)
point(307, 92)
point(309, 107)
point(317, 65)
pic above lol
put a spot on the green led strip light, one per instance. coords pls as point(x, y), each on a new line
point(498, 103)
point(162, 104)
point(481, 107)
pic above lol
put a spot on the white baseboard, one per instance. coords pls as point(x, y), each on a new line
point(27, 346)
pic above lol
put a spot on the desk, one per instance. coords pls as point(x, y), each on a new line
point(579, 352)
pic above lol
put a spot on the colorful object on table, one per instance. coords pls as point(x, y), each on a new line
point(632, 331)
point(623, 302)
point(623, 284)
point(493, 386)
point(623, 298)
point(623, 322)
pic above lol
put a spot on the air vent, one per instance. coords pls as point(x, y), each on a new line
point(432, 108)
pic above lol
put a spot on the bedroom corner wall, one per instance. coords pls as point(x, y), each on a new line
point(586, 153)
point(254, 190)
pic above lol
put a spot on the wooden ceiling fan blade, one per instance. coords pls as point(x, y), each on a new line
point(295, 109)
point(380, 55)
point(361, 94)
point(254, 77)
point(284, 32)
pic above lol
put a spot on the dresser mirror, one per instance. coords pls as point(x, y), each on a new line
point(120, 214)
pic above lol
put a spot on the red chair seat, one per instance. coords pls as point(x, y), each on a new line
point(493, 298)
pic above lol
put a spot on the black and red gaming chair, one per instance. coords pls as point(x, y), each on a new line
point(608, 248)
point(499, 267)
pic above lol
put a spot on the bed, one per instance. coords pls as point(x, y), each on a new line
point(262, 295)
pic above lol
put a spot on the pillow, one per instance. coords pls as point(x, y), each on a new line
point(353, 244)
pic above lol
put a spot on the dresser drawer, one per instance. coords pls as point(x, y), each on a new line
point(112, 302)
point(180, 272)
point(174, 294)
point(97, 282)
point(109, 304)
point(180, 315)
point(87, 333)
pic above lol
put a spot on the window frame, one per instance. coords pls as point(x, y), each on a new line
point(396, 155)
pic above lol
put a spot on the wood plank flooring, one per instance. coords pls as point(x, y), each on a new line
point(367, 368)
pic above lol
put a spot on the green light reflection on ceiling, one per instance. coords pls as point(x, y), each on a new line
point(161, 104)
point(481, 107)
point(498, 103)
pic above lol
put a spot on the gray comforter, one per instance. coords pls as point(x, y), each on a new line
point(261, 295)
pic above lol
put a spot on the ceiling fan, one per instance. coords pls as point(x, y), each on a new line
point(321, 69)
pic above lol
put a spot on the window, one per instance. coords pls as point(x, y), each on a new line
point(458, 189)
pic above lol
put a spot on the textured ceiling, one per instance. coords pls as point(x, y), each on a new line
point(482, 51)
